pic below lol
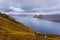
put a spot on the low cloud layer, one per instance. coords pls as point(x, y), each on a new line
point(29, 5)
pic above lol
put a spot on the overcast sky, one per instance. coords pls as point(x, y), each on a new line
point(29, 6)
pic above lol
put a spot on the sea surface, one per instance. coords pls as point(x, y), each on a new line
point(40, 25)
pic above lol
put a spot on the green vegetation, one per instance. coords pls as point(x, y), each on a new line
point(13, 30)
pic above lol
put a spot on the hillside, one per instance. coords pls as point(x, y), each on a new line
point(52, 17)
point(13, 30)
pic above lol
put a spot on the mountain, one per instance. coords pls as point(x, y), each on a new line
point(13, 30)
point(51, 17)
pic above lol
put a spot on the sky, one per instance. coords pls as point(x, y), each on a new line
point(30, 6)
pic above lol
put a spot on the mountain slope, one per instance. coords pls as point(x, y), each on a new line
point(13, 30)
point(52, 17)
point(5, 21)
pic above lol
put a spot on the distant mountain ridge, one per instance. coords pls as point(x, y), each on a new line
point(51, 17)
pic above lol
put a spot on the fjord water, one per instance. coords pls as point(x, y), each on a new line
point(39, 25)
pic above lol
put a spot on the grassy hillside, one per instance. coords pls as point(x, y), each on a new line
point(13, 30)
